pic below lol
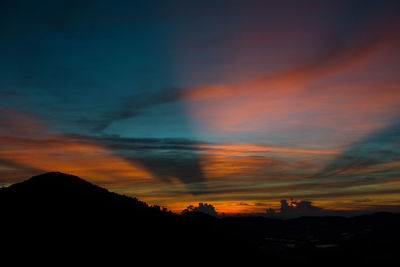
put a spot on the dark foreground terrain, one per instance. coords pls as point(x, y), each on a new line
point(61, 218)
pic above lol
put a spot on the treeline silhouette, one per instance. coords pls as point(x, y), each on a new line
point(62, 217)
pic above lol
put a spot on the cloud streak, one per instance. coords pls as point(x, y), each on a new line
point(27, 143)
point(379, 147)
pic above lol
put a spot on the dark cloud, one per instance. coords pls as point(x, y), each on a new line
point(165, 158)
point(294, 208)
point(116, 142)
point(134, 106)
point(382, 146)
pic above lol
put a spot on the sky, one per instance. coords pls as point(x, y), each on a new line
point(231, 102)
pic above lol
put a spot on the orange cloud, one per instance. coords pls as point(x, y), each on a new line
point(27, 143)
point(238, 159)
point(274, 108)
point(320, 92)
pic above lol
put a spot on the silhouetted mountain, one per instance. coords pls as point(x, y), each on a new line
point(59, 193)
point(63, 216)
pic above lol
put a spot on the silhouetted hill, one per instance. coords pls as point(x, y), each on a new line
point(63, 216)
point(59, 193)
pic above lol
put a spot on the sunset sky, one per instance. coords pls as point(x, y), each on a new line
point(238, 103)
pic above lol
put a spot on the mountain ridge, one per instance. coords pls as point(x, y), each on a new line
point(67, 190)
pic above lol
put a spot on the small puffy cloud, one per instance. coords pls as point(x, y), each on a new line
point(296, 208)
point(202, 207)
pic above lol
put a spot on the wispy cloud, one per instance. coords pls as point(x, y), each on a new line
point(379, 147)
point(135, 105)
point(27, 143)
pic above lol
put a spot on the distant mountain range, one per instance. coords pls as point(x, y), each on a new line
point(61, 216)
